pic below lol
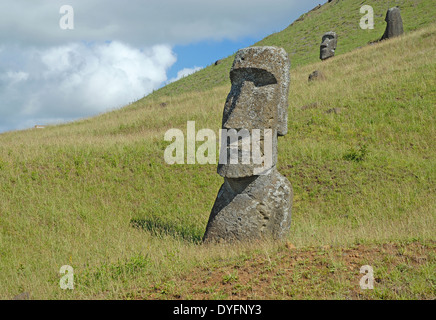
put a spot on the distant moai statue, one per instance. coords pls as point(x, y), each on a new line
point(255, 200)
point(328, 45)
point(394, 26)
point(316, 75)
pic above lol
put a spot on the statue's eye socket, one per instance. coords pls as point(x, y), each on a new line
point(259, 77)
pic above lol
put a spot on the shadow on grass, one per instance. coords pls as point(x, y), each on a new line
point(158, 227)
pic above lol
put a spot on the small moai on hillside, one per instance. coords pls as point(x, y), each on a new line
point(316, 75)
point(394, 26)
point(255, 200)
point(328, 45)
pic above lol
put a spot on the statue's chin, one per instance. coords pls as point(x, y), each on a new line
point(326, 53)
point(239, 184)
point(235, 171)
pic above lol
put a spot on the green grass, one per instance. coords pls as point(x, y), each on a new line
point(96, 194)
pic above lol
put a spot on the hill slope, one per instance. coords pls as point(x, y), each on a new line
point(302, 38)
point(97, 195)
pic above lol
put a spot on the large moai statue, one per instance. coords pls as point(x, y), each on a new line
point(328, 45)
point(255, 200)
point(394, 26)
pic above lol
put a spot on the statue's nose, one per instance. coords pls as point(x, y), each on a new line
point(238, 105)
point(236, 118)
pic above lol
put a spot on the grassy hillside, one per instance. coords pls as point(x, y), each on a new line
point(97, 195)
point(302, 38)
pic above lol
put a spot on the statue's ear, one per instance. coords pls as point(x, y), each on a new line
point(282, 111)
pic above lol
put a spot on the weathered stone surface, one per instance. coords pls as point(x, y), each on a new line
point(257, 207)
point(263, 66)
point(316, 75)
point(394, 25)
point(328, 45)
point(252, 205)
point(258, 99)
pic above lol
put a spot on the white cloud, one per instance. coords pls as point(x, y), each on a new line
point(184, 73)
point(76, 80)
point(145, 23)
point(48, 74)
point(14, 77)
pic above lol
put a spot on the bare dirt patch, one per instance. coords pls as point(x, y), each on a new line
point(400, 271)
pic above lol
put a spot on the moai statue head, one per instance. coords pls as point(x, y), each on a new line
point(328, 45)
point(258, 100)
point(394, 26)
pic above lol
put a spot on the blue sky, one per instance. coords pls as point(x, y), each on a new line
point(117, 51)
point(206, 52)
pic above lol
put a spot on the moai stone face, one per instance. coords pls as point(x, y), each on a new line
point(394, 25)
point(328, 45)
point(252, 206)
point(257, 100)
